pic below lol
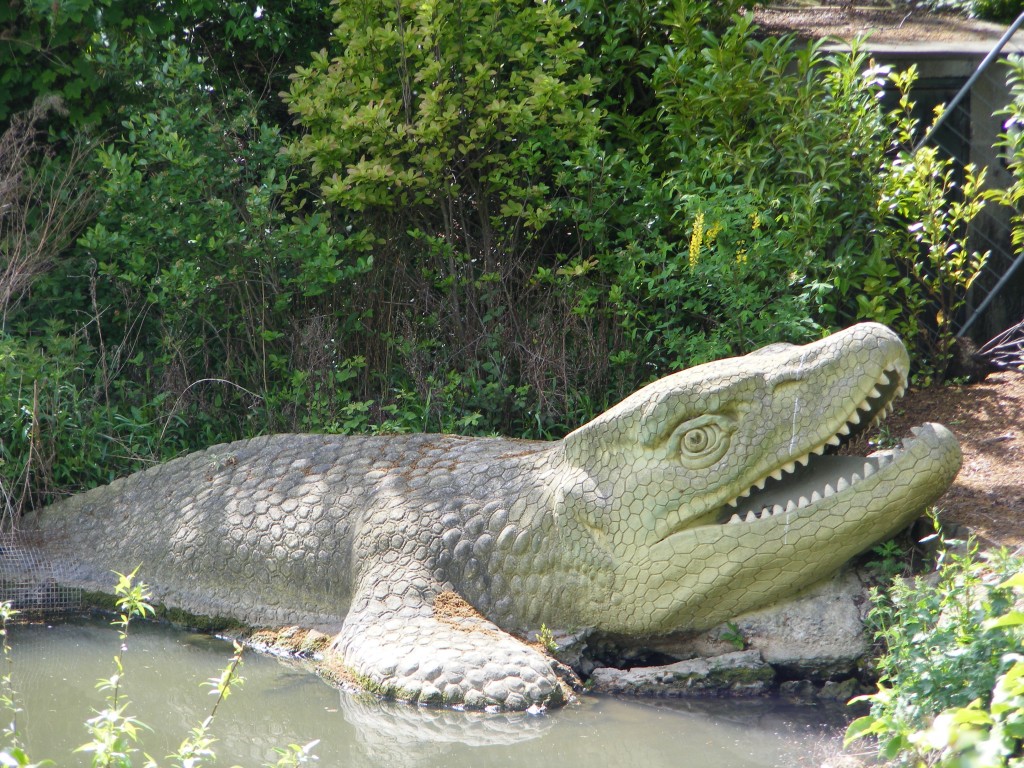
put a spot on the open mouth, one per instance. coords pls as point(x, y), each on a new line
point(805, 480)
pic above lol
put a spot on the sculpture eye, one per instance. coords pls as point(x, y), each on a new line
point(698, 440)
point(704, 440)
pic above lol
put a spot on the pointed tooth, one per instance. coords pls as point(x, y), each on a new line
point(778, 509)
point(834, 440)
point(777, 474)
point(803, 501)
point(887, 411)
point(869, 469)
point(874, 392)
point(815, 497)
point(802, 461)
point(733, 502)
point(900, 390)
point(791, 505)
point(829, 490)
point(855, 418)
point(819, 450)
point(844, 430)
point(746, 493)
point(842, 484)
point(760, 483)
point(735, 519)
point(855, 478)
point(751, 516)
point(789, 467)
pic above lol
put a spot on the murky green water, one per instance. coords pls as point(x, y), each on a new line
point(56, 668)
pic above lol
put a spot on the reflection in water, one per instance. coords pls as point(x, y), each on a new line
point(55, 670)
point(399, 735)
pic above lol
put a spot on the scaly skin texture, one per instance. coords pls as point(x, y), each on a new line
point(624, 525)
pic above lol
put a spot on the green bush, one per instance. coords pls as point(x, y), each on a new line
point(514, 215)
point(1004, 11)
point(63, 49)
point(926, 212)
point(1001, 11)
point(748, 210)
point(56, 435)
point(204, 271)
point(951, 691)
point(727, 194)
point(452, 135)
point(1011, 143)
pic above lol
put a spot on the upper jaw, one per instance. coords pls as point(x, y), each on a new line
point(800, 479)
point(798, 484)
point(802, 475)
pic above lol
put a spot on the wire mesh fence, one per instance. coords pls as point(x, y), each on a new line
point(30, 582)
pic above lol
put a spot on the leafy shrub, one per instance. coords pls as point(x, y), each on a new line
point(203, 275)
point(1003, 11)
point(926, 211)
point(1011, 144)
point(44, 201)
point(449, 134)
point(56, 436)
point(774, 148)
point(951, 687)
point(61, 49)
point(738, 190)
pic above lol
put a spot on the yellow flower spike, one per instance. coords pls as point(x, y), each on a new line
point(696, 238)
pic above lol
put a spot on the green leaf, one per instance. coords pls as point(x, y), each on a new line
point(1017, 580)
point(1011, 619)
point(862, 727)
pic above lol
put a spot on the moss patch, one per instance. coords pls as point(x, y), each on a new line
point(209, 624)
point(292, 641)
point(107, 603)
point(332, 670)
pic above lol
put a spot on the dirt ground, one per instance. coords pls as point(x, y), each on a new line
point(988, 418)
point(890, 22)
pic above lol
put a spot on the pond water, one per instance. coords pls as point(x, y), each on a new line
point(56, 668)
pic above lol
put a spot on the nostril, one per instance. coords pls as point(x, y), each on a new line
point(779, 382)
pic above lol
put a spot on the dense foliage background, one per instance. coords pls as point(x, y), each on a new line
point(220, 219)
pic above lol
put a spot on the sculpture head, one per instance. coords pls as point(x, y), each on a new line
point(712, 492)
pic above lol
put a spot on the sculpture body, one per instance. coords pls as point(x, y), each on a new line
point(649, 519)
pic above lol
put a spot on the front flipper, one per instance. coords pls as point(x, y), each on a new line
point(416, 643)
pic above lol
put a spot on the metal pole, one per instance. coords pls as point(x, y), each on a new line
point(992, 56)
point(991, 294)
